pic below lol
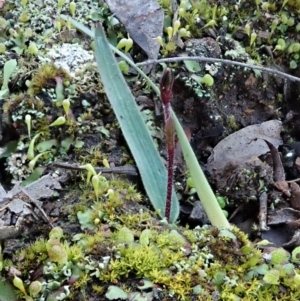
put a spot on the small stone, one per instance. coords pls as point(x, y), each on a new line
point(198, 214)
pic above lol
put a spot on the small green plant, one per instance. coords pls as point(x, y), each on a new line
point(9, 68)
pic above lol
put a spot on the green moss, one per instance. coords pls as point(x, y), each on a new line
point(44, 78)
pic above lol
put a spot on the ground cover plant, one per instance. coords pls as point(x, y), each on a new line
point(85, 209)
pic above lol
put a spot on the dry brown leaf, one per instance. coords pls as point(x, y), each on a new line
point(246, 143)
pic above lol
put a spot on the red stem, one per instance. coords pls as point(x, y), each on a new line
point(170, 134)
point(166, 85)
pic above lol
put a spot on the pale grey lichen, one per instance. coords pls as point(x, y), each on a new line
point(69, 56)
point(17, 166)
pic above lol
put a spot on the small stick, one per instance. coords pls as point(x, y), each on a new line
point(214, 60)
point(128, 170)
point(262, 217)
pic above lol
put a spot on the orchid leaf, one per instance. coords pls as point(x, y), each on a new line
point(136, 133)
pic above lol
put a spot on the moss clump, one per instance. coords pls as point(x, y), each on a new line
point(44, 78)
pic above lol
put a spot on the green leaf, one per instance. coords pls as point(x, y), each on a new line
point(9, 68)
point(7, 291)
point(46, 145)
point(115, 293)
point(66, 144)
point(204, 191)
point(196, 78)
point(124, 235)
point(147, 158)
point(10, 149)
point(272, 277)
point(35, 175)
point(78, 144)
point(85, 219)
point(192, 66)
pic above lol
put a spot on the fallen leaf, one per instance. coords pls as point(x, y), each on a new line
point(143, 20)
point(246, 143)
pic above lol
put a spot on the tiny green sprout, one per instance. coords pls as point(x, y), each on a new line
point(110, 194)
point(295, 47)
point(18, 283)
point(222, 201)
point(208, 80)
point(24, 3)
point(58, 26)
point(298, 27)
point(247, 29)
point(91, 172)
point(280, 45)
point(181, 12)
point(210, 23)
point(59, 121)
point(60, 4)
point(184, 33)
point(66, 106)
point(253, 37)
point(225, 212)
point(284, 3)
point(34, 288)
point(33, 162)
point(28, 123)
point(89, 168)
point(125, 43)
point(72, 8)
point(266, 6)
point(56, 232)
point(24, 17)
point(183, 4)
point(105, 163)
point(69, 24)
point(284, 18)
point(123, 67)
point(56, 251)
point(169, 32)
point(274, 25)
point(290, 22)
point(293, 64)
point(2, 48)
point(32, 48)
point(30, 152)
point(160, 41)
point(176, 27)
point(95, 182)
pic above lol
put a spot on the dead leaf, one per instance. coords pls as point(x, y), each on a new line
point(283, 186)
point(282, 216)
point(143, 20)
point(246, 143)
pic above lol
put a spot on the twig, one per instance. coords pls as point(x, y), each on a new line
point(223, 61)
point(128, 170)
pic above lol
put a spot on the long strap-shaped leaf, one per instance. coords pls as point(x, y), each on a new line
point(138, 138)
